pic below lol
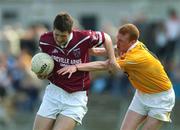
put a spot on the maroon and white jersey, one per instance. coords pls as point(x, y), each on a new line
point(75, 52)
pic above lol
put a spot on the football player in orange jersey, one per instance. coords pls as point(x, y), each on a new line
point(154, 98)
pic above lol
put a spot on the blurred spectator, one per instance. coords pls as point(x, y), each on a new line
point(29, 41)
point(172, 26)
point(161, 40)
point(12, 39)
point(6, 94)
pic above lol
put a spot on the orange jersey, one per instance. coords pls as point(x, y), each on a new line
point(144, 70)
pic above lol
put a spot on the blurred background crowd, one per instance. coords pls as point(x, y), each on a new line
point(23, 21)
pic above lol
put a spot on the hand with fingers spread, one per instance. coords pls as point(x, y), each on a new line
point(68, 69)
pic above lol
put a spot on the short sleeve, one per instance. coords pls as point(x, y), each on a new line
point(97, 38)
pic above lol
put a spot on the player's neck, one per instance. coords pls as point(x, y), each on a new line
point(63, 45)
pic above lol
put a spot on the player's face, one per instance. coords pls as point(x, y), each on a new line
point(60, 37)
point(123, 42)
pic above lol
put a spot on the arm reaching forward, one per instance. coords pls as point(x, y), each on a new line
point(91, 66)
point(97, 51)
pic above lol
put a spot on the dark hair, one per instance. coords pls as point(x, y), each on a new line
point(63, 22)
point(130, 29)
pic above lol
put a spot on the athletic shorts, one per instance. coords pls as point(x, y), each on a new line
point(158, 106)
point(56, 102)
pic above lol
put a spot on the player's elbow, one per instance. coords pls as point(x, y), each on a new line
point(107, 38)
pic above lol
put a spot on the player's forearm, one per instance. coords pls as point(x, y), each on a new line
point(98, 51)
point(109, 47)
point(93, 66)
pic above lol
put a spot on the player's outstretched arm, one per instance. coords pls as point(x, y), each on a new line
point(91, 66)
point(98, 51)
point(101, 51)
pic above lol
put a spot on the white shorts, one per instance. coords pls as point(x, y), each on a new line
point(57, 101)
point(158, 106)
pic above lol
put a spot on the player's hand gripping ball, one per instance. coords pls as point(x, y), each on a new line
point(42, 64)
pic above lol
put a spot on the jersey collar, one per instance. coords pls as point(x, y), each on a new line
point(132, 46)
point(69, 39)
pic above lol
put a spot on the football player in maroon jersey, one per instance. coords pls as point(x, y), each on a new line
point(65, 100)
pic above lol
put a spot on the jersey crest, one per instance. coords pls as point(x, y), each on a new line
point(77, 53)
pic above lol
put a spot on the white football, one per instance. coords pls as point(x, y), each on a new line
point(42, 64)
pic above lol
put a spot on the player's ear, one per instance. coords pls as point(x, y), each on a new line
point(132, 42)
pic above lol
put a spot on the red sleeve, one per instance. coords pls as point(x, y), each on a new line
point(42, 40)
point(96, 38)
